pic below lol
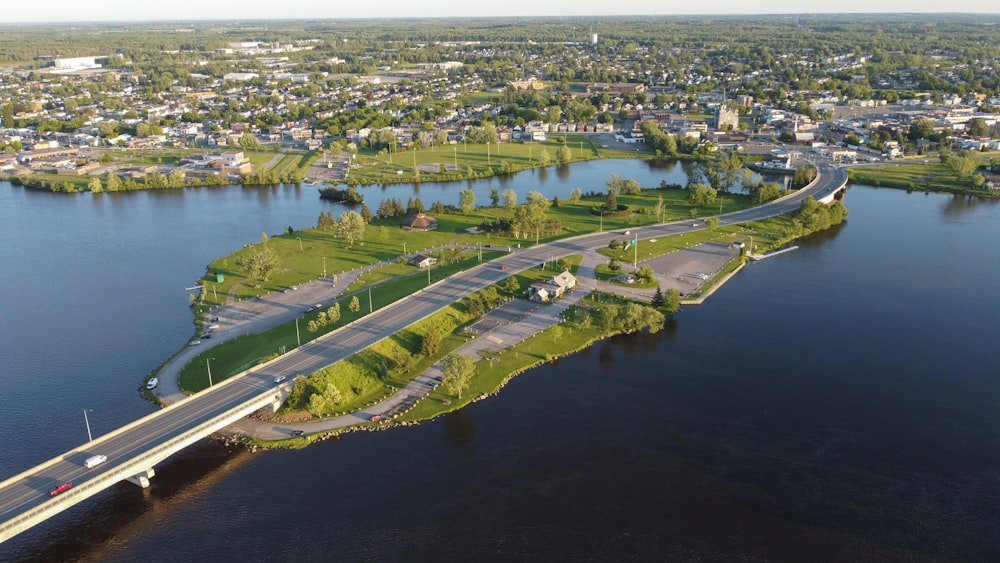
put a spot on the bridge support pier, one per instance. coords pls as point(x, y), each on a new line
point(142, 479)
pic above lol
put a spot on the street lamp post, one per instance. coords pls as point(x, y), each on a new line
point(87, 422)
point(404, 249)
point(602, 221)
point(324, 266)
point(300, 243)
point(370, 300)
point(208, 368)
point(297, 339)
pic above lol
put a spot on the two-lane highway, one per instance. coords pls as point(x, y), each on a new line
point(30, 490)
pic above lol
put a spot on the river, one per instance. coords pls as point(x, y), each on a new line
point(837, 402)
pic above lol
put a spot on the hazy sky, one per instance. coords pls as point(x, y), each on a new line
point(144, 10)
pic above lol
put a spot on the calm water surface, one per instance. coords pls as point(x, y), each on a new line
point(837, 403)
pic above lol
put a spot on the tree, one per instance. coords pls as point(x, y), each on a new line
point(94, 185)
point(673, 301)
point(645, 273)
point(978, 127)
point(563, 155)
point(701, 195)
point(430, 344)
point(113, 184)
point(333, 314)
point(354, 305)
point(803, 175)
point(658, 299)
point(544, 158)
point(457, 371)
point(509, 198)
point(723, 172)
point(963, 164)
point(248, 142)
point(921, 128)
point(494, 197)
point(259, 263)
point(574, 195)
point(712, 223)
point(510, 285)
point(351, 227)
point(467, 200)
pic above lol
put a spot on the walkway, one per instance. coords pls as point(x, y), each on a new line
point(526, 320)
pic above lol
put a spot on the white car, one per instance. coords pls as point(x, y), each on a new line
point(95, 460)
point(279, 379)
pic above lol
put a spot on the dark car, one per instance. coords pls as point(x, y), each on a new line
point(297, 432)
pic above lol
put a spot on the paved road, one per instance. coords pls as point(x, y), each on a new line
point(26, 492)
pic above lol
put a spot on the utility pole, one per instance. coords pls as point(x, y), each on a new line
point(297, 338)
point(87, 422)
point(324, 266)
point(370, 300)
point(208, 367)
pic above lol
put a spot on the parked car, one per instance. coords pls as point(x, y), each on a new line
point(376, 417)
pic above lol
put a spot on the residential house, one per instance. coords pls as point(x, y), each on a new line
point(552, 289)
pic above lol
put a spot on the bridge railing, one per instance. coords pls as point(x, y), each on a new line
point(140, 463)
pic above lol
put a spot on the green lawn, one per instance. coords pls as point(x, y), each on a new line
point(462, 161)
point(924, 176)
point(302, 252)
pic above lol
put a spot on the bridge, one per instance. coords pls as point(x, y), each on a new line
point(135, 449)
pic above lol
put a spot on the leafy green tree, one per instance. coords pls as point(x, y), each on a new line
point(351, 227)
point(978, 127)
point(354, 305)
point(563, 155)
point(510, 285)
point(430, 344)
point(333, 314)
point(963, 164)
point(645, 273)
point(509, 198)
point(249, 142)
point(457, 371)
point(921, 128)
point(701, 195)
point(467, 200)
point(94, 185)
point(804, 175)
point(113, 183)
point(494, 197)
point(673, 301)
point(259, 263)
point(575, 194)
point(712, 223)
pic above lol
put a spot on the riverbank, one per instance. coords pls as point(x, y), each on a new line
point(923, 176)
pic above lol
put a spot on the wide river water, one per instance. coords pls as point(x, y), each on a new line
point(840, 402)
